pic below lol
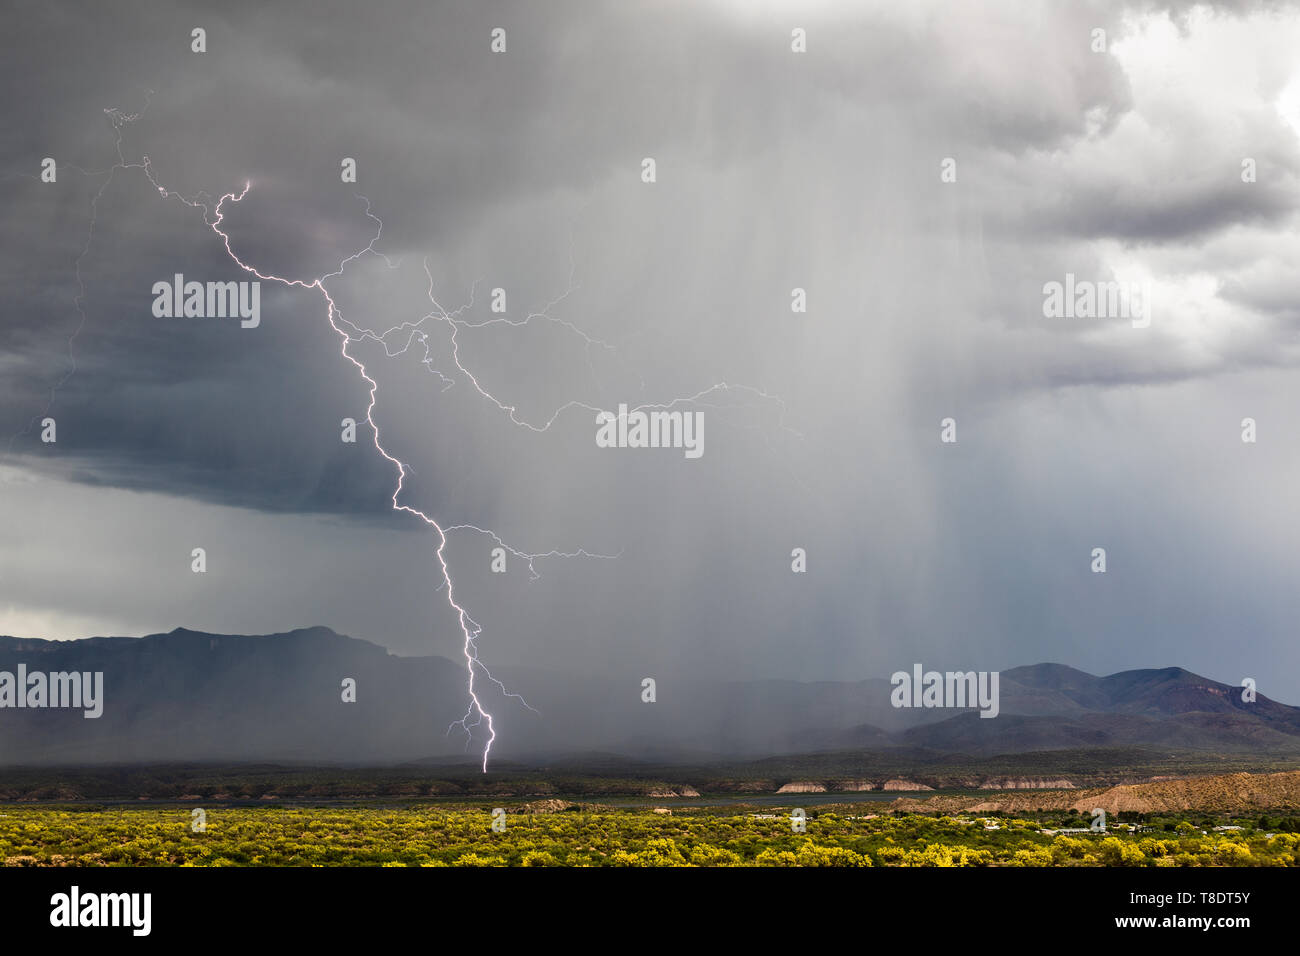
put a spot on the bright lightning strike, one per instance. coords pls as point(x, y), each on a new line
point(470, 630)
point(214, 216)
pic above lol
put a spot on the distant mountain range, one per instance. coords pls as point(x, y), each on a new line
point(188, 696)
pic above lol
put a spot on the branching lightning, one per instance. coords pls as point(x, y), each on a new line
point(476, 714)
point(214, 214)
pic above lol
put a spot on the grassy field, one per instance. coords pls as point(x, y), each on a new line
point(592, 835)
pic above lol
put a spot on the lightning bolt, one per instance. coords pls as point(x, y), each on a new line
point(476, 714)
point(214, 214)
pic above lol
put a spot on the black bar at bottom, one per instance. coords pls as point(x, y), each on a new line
point(334, 905)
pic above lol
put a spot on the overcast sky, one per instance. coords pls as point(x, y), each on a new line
point(775, 169)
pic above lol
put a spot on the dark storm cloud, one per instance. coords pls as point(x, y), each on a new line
point(449, 138)
point(522, 171)
point(285, 98)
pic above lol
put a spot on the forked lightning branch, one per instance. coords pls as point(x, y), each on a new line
point(179, 296)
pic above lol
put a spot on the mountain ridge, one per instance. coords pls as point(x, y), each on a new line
point(195, 695)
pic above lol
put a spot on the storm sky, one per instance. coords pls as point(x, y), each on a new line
point(776, 170)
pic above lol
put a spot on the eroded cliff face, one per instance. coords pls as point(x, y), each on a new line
point(685, 790)
point(1023, 783)
point(904, 784)
point(803, 786)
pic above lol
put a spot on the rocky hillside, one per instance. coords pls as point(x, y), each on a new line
point(1228, 793)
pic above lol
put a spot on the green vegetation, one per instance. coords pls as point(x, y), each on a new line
point(442, 835)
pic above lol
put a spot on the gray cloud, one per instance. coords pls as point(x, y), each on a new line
point(776, 170)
